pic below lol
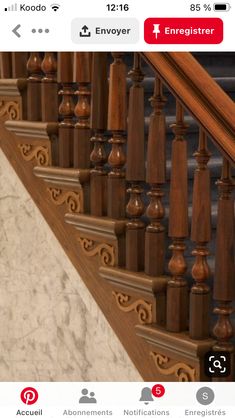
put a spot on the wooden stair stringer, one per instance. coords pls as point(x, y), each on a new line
point(123, 306)
point(175, 355)
point(122, 324)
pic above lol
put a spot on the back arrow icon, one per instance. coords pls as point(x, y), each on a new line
point(15, 31)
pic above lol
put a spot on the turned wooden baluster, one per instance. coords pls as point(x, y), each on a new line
point(6, 64)
point(82, 132)
point(156, 177)
point(135, 170)
point(34, 87)
point(19, 64)
point(224, 283)
point(49, 88)
point(99, 109)
point(66, 108)
point(201, 235)
point(117, 120)
point(177, 291)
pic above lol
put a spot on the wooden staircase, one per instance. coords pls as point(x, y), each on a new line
point(141, 204)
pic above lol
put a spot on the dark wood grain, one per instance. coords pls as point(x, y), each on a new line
point(224, 283)
point(156, 177)
point(19, 64)
point(201, 235)
point(99, 156)
point(117, 123)
point(66, 108)
point(6, 64)
point(50, 104)
point(135, 170)
point(34, 87)
point(177, 293)
point(123, 325)
point(82, 132)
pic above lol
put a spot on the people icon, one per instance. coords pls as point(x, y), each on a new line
point(87, 399)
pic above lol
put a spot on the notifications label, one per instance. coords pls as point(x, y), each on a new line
point(183, 30)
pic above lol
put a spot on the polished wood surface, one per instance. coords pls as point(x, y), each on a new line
point(6, 64)
point(99, 155)
point(82, 132)
point(66, 109)
point(117, 124)
point(201, 235)
point(156, 177)
point(49, 88)
point(19, 68)
point(106, 202)
point(135, 170)
point(197, 90)
point(34, 87)
point(224, 283)
point(177, 292)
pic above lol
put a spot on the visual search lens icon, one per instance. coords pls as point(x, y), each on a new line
point(146, 395)
point(217, 364)
point(29, 396)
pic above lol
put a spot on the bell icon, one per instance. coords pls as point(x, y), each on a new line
point(146, 396)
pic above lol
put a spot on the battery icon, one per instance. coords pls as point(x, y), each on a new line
point(222, 7)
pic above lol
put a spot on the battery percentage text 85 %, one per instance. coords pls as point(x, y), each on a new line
point(198, 7)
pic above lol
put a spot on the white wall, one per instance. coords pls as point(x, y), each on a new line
point(50, 327)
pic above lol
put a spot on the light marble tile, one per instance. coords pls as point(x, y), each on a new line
point(51, 328)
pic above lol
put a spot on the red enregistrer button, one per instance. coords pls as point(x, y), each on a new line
point(183, 30)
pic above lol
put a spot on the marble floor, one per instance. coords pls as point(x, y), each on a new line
point(50, 327)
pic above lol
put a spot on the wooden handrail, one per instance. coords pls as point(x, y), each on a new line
point(200, 94)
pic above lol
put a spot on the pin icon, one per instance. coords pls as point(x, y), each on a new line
point(29, 396)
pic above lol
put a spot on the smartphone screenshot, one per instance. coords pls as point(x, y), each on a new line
point(117, 221)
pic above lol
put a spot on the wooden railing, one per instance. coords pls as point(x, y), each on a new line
point(94, 128)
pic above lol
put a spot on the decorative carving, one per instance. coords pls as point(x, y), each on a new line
point(9, 110)
point(40, 153)
point(141, 307)
point(70, 198)
point(182, 371)
point(104, 251)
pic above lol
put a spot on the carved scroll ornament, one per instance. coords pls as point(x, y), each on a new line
point(70, 198)
point(183, 372)
point(9, 110)
point(39, 153)
point(105, 252)
point(141, 307)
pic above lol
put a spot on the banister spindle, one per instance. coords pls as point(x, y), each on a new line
point(156, 177)
point(34, 87)
point(224, 283)
point(6, 64)
point(19, 64)
point(82, 132)
point(99, 109)
point(66, 109)
point(49, 88)
point(117, 120)
point(135, 170)
point(201, 235)
point(177, 291)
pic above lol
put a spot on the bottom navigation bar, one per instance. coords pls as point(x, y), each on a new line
point(176, 400)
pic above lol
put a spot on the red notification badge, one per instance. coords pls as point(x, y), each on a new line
point(158, 390)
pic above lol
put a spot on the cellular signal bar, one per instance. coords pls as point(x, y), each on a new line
point(12, 8)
